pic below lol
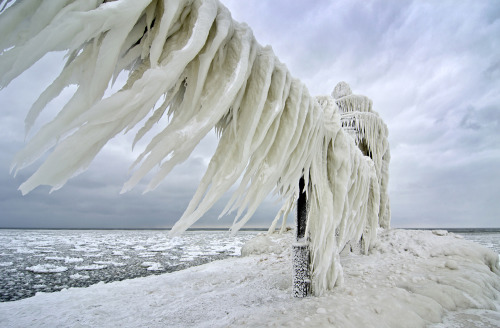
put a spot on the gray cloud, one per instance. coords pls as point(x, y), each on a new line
point(431, 68)
point(432, 71)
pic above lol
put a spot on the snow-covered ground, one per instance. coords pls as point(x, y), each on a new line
point(410, 279)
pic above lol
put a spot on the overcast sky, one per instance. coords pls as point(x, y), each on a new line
point(432, 69)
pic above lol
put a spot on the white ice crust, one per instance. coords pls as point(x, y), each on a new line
point(206, 72)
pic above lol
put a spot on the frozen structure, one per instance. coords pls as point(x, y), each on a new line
point(192, 65)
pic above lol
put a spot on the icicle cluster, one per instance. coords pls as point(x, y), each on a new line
point(208, 72)
point(370, 134)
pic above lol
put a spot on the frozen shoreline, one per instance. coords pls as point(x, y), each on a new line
point(48, 261)
point(410, 279)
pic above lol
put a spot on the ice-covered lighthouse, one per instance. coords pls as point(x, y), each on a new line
point(360, 126)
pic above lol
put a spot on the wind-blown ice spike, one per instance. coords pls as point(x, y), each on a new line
point(206, 72)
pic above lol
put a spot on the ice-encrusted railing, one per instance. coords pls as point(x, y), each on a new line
point(370, 135)
point(193, 68)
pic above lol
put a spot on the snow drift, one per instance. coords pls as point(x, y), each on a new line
point(191, 64)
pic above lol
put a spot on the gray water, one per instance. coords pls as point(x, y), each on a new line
point(34, 261)
point(488, 239)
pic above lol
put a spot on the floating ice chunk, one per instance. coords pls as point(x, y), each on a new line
point(156, 267)
point(152, 266)
point(146, 254)
point(159, 248)
point(25, 251)
point(78, 276)
point(85, 249)
point(46, 268)
point(5, 264)
point(90, 267)
point(54, 258)
point(187, 258)
point(65, 259)
point(116, 264)
point(73, 260)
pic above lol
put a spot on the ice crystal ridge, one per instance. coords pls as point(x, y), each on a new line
point(210, 73)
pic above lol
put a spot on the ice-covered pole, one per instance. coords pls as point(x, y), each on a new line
point(301, 263)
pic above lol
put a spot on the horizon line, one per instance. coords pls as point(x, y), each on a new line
point(456, 229)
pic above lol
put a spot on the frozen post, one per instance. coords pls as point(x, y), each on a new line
point(301, 274)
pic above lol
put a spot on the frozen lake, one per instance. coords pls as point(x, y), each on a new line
point(34, 261)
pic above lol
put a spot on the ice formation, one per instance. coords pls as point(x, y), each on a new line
point(206, 72)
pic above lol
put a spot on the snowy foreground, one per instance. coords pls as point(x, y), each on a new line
point(410, 279)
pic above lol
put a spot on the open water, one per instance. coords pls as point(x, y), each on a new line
point(34, 261)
